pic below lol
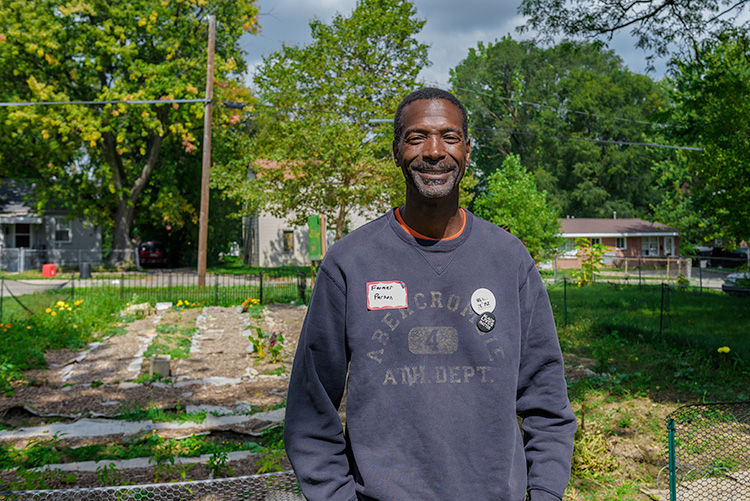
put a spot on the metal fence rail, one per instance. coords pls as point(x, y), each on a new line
point(267, 487)
point(269, 286)
point(709, 452)
point(281, 285)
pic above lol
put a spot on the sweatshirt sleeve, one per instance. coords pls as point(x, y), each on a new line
point(542, 399)
point(313, 434)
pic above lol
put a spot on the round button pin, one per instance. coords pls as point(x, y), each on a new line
point(486, 322)
point(483, 300)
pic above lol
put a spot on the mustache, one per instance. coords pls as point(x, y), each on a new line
point(438, 167)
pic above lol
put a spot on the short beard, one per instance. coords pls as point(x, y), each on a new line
point(433, 188)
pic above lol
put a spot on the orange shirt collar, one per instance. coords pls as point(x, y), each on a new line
point(416, 234)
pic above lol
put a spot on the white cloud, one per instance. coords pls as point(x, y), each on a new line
point(451, 29)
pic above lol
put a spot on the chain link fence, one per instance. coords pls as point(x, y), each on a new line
point(267, 487)
point(699, 272)
point(709, 452)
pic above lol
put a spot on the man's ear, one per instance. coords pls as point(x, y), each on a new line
point(395, 152)
point(468, 150)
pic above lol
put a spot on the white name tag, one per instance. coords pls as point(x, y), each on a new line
point(386, 295)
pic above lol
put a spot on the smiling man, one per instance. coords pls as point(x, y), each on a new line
point(438, 326)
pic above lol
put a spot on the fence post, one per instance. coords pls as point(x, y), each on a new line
point(216, 290)
point(301, 284)
point(554, 280)
point(2, 289)
point(668, 277)
point(700, 274)
point(72, 287)
point(122, 285)
point(661, 311)
point(261, 287)
point(565, 300)
point(640, 266)
point(672, 465)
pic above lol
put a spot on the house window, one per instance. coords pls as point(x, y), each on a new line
point(596, 240)
point(62, 232)
point(288, 241)
point(621, 243)
point(650, 246)
point(23, 235)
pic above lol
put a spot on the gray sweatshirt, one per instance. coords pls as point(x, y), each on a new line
point(434, 385)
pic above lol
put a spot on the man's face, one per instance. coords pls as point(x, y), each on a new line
point(432, 151)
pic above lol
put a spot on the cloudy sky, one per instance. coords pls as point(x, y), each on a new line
point(452, 28)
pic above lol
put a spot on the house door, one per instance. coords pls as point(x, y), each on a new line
point(669, 246)
point(23, 235)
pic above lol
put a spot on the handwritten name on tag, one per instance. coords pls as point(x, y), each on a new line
point(386, 295)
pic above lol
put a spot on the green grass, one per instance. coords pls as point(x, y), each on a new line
point(232, 265)
point(171, 340)
point(48, 321)
point(642, 375)
point(626, 316)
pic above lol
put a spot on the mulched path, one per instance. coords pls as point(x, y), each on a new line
point(224, 351)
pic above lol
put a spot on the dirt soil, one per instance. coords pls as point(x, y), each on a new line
point(222, 370)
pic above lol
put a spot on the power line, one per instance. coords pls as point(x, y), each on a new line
point(121, 101)
point(237, 105)
point(555, 108)
point(605, 141)
point(593, 140)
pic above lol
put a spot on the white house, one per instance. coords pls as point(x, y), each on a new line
point(29, 239)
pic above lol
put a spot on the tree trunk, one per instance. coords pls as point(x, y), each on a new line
point(121, 233)
point(126, 205)
point(341, 221)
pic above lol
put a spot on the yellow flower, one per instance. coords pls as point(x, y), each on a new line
point(53, 313)
point(28, 327)
point(48, 310)
point(723, 349)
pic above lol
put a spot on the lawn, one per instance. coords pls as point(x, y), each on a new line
point(645, 364)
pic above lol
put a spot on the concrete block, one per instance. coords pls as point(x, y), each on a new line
point(160, 365)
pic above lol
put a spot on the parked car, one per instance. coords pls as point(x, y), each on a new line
point(152, 254)
point(724, 258)
point(737, 283)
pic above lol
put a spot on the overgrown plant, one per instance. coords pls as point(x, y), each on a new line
point(592, 262)
point(275, 346)
point(109, 475)
point(217, 465)
point(258, 342)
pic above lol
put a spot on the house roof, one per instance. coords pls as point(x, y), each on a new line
point(14, 209)
point(628, 227)
point(12, 197)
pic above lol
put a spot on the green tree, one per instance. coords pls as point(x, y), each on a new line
point(592, 260)
point(564, 110)
point(655, 24)
point(710, 95)
point(98, 160)
point(321, 150)
point(513, 199)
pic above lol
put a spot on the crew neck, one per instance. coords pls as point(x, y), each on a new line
point(411, 231)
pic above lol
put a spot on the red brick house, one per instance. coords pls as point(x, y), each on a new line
point(630, 237)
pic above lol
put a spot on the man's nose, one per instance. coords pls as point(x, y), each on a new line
point(433, 148)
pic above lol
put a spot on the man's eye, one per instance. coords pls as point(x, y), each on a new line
point(451, 139)
point(414, 139)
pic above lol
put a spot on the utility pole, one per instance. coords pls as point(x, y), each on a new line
point(207, 116)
